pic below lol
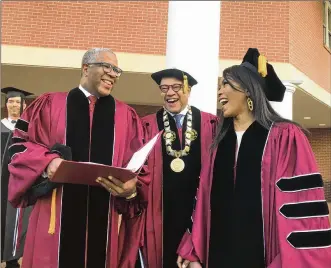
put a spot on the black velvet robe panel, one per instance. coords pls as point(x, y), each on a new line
point(85, 210)
point(179, 189)
point(236, 238)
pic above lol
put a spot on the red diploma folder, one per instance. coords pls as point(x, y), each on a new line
point(86, 173)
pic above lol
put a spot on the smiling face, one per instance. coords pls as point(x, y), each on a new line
point(174, 101)
point(96, 79)
point(234, 101)
point(14, 106)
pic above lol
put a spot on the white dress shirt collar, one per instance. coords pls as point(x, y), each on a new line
point(183, 112)
point(86, 93)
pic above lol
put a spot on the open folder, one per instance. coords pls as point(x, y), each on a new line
point(87, 172)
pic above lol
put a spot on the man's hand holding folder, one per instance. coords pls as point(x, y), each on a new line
point(118, 188)
point(117, 180)
point(52, 166)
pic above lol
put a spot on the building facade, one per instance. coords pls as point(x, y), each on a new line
point(43, 42)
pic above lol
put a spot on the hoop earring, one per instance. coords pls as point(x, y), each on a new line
point(250, 104)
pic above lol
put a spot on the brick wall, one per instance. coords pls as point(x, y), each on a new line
point(124, 26)
point(320, 141)
point(140, 26)
point(286, 31)
point(277, 28)
point(261, 24)
point(307, 51)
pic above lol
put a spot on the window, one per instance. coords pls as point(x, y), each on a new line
point(327, 23)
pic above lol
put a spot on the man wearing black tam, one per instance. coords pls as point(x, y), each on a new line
point(11, 248)
point(175, 164)
point(262, 204)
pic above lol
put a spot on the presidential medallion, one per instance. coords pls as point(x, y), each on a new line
point(169, 136)
point(177, 165)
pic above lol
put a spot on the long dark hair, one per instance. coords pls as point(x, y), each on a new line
point(253, 84)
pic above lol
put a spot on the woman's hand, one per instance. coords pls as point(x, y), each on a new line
point(194, 264)
point(181, 263)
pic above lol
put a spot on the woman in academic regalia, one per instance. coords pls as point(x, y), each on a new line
point(264, 205)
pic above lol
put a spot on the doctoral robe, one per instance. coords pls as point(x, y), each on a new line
point(74, 225)
point(172, 195)
point(6, 129)
point(267, 209)
point(12, 245)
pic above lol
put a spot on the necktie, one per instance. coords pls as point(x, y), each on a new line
point(178, 118)
point(13, 121)
point(93, 100)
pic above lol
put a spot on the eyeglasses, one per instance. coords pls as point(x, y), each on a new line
point(175, 87)
point(107, 67)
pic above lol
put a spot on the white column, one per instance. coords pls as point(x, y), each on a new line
point(285, 108)
point(193, 46)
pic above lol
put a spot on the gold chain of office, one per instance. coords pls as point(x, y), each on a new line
point(178, 165)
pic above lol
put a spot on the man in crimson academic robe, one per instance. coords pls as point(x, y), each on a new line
point(76, 225)
point(175, 165)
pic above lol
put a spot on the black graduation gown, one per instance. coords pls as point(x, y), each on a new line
point(8, 212)
point(4, 183)
point(4, 137)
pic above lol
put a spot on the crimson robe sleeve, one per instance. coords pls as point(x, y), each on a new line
point(190, 248)
point(300, 208)
point(131, 236)
point(186, 248)
point(134, 207)
point(30, 153)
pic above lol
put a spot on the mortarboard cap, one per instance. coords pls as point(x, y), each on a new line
point(273, 87)
point(12, 92)
point(187, 79)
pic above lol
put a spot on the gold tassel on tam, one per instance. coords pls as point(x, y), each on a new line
point(186, 88)
point(51, 229)
point(262, 66)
